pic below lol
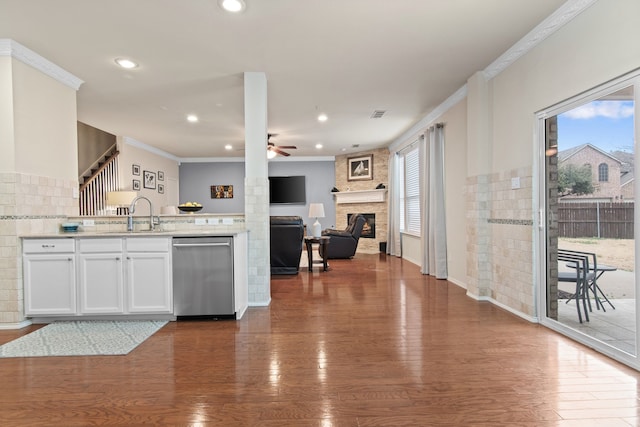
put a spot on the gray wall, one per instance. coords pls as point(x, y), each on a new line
point(196, 180)
point(321, 178)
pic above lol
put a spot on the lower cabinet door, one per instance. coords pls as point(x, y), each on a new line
point(149, 283)
point(101, 283)
point(49, 284)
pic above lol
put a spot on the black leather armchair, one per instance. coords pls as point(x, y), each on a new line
point(287, 233)
point(343, 243)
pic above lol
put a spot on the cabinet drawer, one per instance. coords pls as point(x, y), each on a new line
point(48, 246)
point(147, 244)
point(100, 245)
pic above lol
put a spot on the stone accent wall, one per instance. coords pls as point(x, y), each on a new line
point(478, 256)
point(29, 204)
point(257, 223)
point(500, 248)
point(380, 176)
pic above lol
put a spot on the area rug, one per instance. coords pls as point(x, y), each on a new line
point(82, 338)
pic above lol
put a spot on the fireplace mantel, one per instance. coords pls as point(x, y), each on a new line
point(362, 196)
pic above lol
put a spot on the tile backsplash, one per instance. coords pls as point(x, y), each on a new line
point(29, 204)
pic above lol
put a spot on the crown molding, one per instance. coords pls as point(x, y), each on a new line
point(242, 160)
point(25, 55)
point(304, 159)
point(550, 25)
point(135, 143)
point(419, 127)
point(211, 159)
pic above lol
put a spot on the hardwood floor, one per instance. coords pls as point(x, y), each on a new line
point(371, 342)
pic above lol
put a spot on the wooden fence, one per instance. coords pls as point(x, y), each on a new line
point(604, 220)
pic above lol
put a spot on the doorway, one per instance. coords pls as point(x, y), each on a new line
point(588, 195)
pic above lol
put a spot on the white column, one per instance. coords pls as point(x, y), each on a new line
point(479, 270)
point(256, 183)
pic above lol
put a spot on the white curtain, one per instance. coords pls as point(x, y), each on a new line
point(433, 225)
point(393, 221)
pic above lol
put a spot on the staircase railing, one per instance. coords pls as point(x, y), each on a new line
point(93, 192)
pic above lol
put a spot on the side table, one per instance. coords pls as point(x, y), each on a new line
point(323, 241)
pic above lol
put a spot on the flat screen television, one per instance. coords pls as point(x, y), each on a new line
point(287, 190)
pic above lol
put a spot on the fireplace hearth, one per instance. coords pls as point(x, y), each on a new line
point(369, 229)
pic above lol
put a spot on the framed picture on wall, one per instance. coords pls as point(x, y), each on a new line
point(222, 191)
point(161, 188)
point(160, 176)
point(149, 180)
point(136, 185)
point(135, 170)
point(360, 168)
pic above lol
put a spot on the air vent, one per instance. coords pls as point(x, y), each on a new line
point(377, 114)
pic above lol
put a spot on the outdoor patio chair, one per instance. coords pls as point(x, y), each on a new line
point(582, 277)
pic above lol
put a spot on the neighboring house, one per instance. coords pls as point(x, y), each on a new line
point(612, 173)
point(627, 174)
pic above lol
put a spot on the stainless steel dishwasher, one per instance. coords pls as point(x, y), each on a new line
point(203, 277)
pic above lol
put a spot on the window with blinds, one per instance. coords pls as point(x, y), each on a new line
point(409, 166)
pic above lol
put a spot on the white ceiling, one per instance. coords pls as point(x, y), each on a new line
point(346, 58)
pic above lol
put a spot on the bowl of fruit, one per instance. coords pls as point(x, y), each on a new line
point(190, 207)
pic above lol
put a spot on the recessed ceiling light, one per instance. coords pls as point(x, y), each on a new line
point(192, 118)
point(126, 63)
point(234, 6)
point(323, 117)
point(318, 146)
point(228, 147)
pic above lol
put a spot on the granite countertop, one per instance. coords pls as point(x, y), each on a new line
point(144, 233)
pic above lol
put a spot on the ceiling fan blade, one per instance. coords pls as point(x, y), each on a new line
point(289, 147)
point(282, 153)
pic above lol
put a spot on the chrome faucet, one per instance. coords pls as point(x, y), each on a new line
point(132, 210)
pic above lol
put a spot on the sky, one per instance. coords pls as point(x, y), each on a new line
point(606, 124)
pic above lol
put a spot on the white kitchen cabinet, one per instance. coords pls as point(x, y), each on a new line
point(84, 276)
point(49, 273)
point(100, 276)
point(148, 275)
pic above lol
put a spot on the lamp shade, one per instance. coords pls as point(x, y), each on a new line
point(120, 198)
point(316, 210)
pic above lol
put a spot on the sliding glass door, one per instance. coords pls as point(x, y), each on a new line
point(588, 193)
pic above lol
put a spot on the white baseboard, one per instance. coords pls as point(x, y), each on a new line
point(526, 317)
point(18, 325)
point(260, 303)
point(457, 282)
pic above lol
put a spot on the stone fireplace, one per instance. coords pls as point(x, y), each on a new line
point(360, 196)
point(369, 229)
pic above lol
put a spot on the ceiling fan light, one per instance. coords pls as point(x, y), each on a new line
point(233, 6)
point(271, 154)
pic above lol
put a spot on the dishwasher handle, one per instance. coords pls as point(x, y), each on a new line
point(199, 245)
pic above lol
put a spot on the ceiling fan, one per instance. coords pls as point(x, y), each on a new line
point(274, 150)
